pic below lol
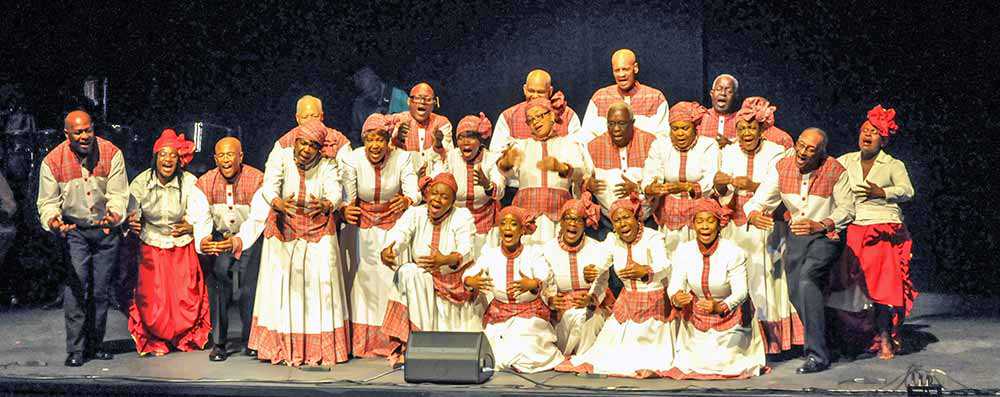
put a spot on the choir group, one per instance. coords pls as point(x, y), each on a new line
point(645, 240)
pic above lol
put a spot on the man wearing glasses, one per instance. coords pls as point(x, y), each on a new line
point(421, 130)
point(229, 189)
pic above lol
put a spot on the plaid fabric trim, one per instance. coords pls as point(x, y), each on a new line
point(499, 312)
point(486, 216)
point(604, 153)
point(542, 200)
point(294, 226)
point(295, 349)
point(369, 341)
point(709, 125)
point(741, 316)
point(434, 123)
point(377, 215)
point(821, 181)
point(213, 184)
point(640, 306)
point(65, 167)
point(518, 122)
point(644, 99)
point(779, 136)
point(331, 145)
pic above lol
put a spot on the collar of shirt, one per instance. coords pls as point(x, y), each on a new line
point(154, 182)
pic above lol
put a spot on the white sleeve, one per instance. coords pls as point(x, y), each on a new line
point(273, 174)
point(652, 169)
point(591, 125)
point(198, 214)
point(408, 178)
point(501, 135)
point(253, 226)
point(50, 200)
point(736, 273)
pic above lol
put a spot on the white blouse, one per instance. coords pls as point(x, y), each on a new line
point(727, 275)
point(890, 175)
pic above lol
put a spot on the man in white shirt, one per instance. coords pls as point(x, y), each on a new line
point(649, 105)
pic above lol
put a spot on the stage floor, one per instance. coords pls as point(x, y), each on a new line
point(954, 335)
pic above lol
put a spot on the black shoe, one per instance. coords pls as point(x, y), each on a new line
point(812, 365)
point(74, 360)
point(100, 355)
point(249, 352)
point(218, 353)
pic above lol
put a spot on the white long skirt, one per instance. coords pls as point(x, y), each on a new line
point(526, 345)
point(369, 294)
point(414, 288)
point(768, 287)
point(300, 311)
point(736, 353)
point(578, 328)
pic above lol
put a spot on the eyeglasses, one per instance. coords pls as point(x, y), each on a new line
point(532, 119)
point(226, 156)
point(422, 99)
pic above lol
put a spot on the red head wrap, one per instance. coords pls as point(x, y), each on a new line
point(479, 123)
point(590, 212)
point(170, 138)
point(687, 111)
point(884, 120)
point(708, 205)
point(382, 123)
point(556, 104)
point(631, 203)
point(313, 130)
point(759, 109)
point(446, 178)
point(523, 216)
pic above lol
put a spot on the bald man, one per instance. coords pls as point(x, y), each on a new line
point(229, 187)
point(649, 106)
point(512, 123)
point(83, 193)
point(420, 129)
point(719, 122)
point(335, 144)
point(817, 192)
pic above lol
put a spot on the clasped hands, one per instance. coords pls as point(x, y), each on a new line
point(707, 305)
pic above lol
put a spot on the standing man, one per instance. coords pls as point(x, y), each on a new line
point(82, 194)
point(649, 106)
point(719, 122)
point(421, 130)
point(817, 192)
point(229, 189)
point(513, 125)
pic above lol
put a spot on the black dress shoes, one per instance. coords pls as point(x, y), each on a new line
point(812, 365)
point(100, 355)
point(218, 353)
point(249, 352)
point(74, 360)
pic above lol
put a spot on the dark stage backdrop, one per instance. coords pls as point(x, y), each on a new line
point(822, 63)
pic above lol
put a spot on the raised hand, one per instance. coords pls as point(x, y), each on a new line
point(509, 158)
point(744, 183)
point(721, 181)
point(481, 281)
point(626, 187)
point(389, 256)
point(479, 177)
point(401, 135)
point(590, 273)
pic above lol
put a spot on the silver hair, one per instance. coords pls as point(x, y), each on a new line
point(736, 83)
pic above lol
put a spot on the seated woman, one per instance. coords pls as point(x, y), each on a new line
point(581, 304)
point(876, 263)
point(718, 337)
point(171, 300)
point(637, 340)
point(518, 284)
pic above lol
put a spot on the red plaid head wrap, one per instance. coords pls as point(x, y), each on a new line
point(631, 203)
point(721, 213)
point(523, 216)
point(687, 111)
point(884, 120)
point(170, 138)
point(381, 123)
point(446, 178)
point(313, 130)
point(759, 109)
point(555, 104)
point(590, 212)
point(479, 123)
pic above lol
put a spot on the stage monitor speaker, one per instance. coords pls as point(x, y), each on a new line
point(448, 357)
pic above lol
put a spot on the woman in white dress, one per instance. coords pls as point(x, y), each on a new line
point(637, 340)
point(718, 337)
point(518, 284)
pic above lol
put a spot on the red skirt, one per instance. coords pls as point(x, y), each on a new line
point(882, 254)
point(171, 301)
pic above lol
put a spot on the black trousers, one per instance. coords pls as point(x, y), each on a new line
point(94, 256)
point(807, 262)
point(221, 291)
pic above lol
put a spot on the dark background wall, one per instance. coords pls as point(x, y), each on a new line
point(821, 63)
